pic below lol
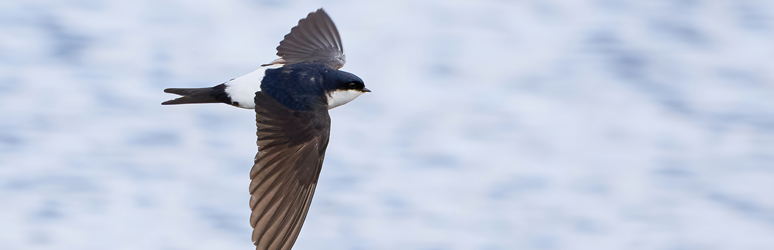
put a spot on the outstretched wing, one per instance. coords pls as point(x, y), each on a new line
point(291, 148)
point(314, 39)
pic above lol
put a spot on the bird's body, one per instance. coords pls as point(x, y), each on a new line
point(298, 86)
point(291, 105)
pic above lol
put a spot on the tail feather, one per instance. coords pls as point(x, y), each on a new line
point(198, 95)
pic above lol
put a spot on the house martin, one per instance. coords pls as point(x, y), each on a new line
point(291, 101)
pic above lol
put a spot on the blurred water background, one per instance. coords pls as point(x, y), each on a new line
point(587, 124)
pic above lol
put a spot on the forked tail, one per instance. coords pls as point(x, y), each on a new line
point(199, 95)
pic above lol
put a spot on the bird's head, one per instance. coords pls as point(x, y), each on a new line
point(343, 87)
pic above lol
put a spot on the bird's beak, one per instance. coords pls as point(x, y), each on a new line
point(366, 90)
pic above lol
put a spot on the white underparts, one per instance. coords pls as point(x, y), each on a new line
point(340, 97)
point(242, 89)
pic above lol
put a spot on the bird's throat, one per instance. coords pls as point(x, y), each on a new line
point(340, 97)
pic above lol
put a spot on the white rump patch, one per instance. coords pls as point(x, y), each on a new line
point(341, 97)
point(242, 89)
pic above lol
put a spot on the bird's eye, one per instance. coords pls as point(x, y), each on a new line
point(353, 85)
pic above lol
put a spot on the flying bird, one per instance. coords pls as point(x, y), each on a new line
point(291, 101)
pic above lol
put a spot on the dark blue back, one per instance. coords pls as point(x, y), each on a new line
point(297, 86)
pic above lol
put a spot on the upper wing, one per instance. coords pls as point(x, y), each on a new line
point(291, 148)
point(315, 39)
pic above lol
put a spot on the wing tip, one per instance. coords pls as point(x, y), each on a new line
point(319, 10)
point(314, 39)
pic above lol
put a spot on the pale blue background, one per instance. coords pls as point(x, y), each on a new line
point(594, 125)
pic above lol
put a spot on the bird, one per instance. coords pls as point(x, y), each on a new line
point(291, 97)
